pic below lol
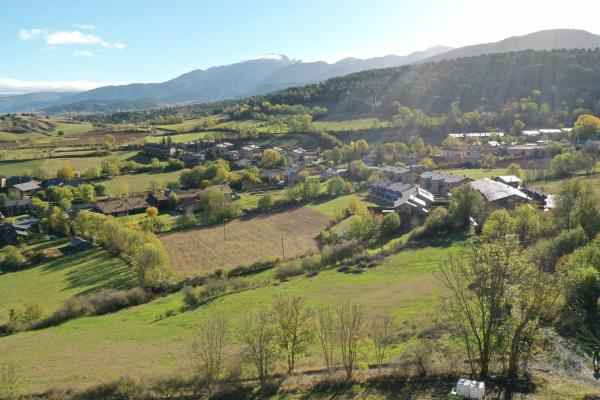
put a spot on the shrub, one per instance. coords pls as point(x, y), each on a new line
point(104, 302)
point(191, 296)
point(13, 257)
point(254, 268)
point(289, 270)
point(214, 287)
point(239, 283)
point(311, 263)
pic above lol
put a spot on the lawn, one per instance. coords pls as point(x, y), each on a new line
point(144, 340)
point(72, 128)
point(347, 125)
point(135, 183)
point(54, 280)
point(250, 199)
point(553, 186)
point(244, 241)
point(331, 207)
point(183, 137)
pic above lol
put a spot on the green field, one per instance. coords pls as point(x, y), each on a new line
point(138, 182)
point(553, 186)
point(72, 128)
point(331, 207)
point(185, 125)
point(347, 125)
point(54, 280)
point(142, 338)
point(183, 137)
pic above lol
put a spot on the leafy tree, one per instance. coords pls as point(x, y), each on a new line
point(466, 202)
point(109, 142)
point(13, 257)
point(152, 265)
point(336, 186)
point(515, 169)
point(42, 173)
point(390, 223)
point(216, 206)
point(172, 200)
point(271, 158)
point(526, 224)
point(364, 227)
point(498, 225)
point(66, 173)
point(587, 127)
point(266, 202)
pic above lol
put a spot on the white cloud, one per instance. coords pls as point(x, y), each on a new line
point(14, 86)
point(31, 34)
point(59, 38)
point(86, 27)
point(74, 37)
point(83, 53)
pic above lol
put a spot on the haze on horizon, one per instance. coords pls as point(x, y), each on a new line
point(66, 46)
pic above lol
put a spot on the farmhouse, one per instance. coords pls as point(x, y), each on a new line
point(498, 193)
point(158, 150)
point(398, 193)
point(25, 189)
point(131, 205)
point(18, 230)
point(17, 207)
point(441, 184)
point(509, 180)
point(408, 174)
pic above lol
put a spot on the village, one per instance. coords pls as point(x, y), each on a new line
point(405, 186)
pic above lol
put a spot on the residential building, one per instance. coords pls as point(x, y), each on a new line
point(408, 174)
point(441, 184)
point(124, 206)
point(25, 189)
point(158, 150)
point(499, 194)
point(17, 207)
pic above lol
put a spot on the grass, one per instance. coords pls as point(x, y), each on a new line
point(136, 183)
point(331, 207)
point(9, 168)
point(72, 128)
point(185, 125)
point(250, 199)
point(182, 137)
point(346, 125)
point(54, 280)
point(144, 339)
point(244, 241)
point(554, 186)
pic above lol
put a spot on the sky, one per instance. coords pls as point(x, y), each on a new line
point(62, 45)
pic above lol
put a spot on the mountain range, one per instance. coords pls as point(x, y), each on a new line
point(269, 74)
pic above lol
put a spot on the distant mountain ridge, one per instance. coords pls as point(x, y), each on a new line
point(541, 40)
point(269, 74)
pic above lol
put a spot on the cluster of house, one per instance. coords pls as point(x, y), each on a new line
point(412, 191)
point(470, 153)
point(187, 200)
point(241, 155)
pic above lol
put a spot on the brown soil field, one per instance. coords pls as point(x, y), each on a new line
point(199, 251)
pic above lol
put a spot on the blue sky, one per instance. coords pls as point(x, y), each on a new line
point(73, 44)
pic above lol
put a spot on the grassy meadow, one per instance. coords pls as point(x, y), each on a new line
point(61, 275)
point(153, 339)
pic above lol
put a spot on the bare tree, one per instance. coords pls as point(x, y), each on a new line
point(496, 302)
point(351, 332)
point(207, 348)
point(9, 382)
point(327, 335)
point(293, 319)
point(259, 335)
point(421, 353)
point(381, 336)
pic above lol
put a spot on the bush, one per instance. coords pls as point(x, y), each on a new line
point(13, 257)
point(289, 270)
point(191, 296)
point(311, 263)
point(339, 252)
point(123, 389)
point(254, 268)
point(546, 253)
point(104, 302)
point(214, 287)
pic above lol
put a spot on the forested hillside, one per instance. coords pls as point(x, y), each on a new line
point(565, 80)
